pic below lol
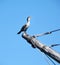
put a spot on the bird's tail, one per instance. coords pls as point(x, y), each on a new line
point(19, 32)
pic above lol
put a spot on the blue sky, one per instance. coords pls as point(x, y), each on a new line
point(45, 16)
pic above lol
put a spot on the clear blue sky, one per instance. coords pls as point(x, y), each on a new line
point(45, 16)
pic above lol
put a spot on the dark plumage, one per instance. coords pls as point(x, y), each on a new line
point(25, 27)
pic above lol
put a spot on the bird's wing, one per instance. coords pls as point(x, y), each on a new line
point(23, 28)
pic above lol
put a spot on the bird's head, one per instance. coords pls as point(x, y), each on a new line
point(28, 18)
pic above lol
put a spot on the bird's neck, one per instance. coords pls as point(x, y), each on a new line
point(28, 22)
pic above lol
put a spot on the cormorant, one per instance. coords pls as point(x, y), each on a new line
point(25, 27)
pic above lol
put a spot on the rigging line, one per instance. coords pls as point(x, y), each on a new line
point(37, 35)
point(54, 45)
point(55, 30)
point(50, 59)
point(46, 59)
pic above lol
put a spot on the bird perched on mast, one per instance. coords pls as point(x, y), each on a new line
point(25, 27)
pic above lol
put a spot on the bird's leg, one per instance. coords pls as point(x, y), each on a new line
point(25, 33)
